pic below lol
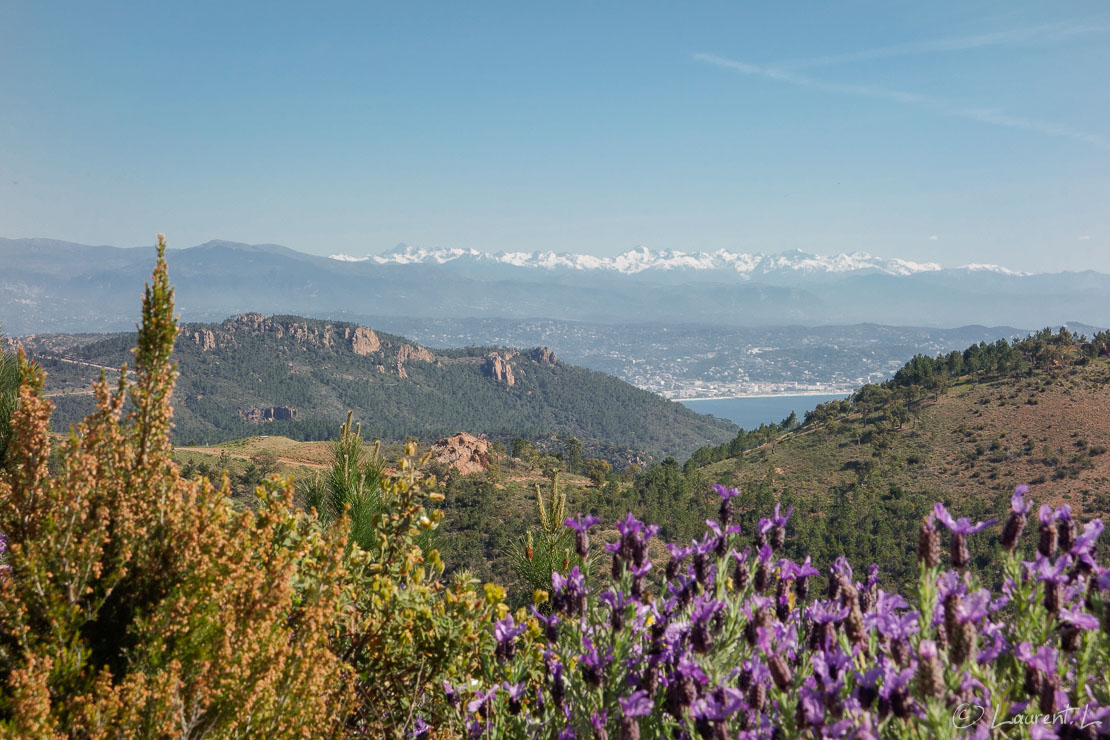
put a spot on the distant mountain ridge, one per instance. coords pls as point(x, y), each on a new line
point(52, 286)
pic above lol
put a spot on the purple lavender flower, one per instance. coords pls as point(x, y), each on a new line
point(678, 554)
point(1053, 576)
point(1065, 527)
point(635, 705)
point(1082, 551)
point(516, 693)
point(811, 708)
point(703, 568)
point(550, 624)
point(634, 537)
point(712, 711)
point(1079, 618)
point(1042, 676)
point(597, 723)
point(569, 592)
point(721, 536)
point(1049, 536)
point(558, 685)
point(420, 728)
point(741, 574)
point(824, 615)
point(617, 604)
point(930, 672)
point(867, 686)
point(703, 610)
point(506, 631)
point(763, 569)
point(1015, 524)
point(592, 664)
point(725, 514)
point(1072, 623)
point(928, 542)
point(974, 607)
point(682, 688)
point(1042, 658)
point(961, 527)
point(581, 526)
point(477, 705)
point(894, 694)
point(778, 534)
point(774, 526)
point(997, 645)
point(799, 574)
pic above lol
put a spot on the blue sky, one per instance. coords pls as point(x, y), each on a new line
point(946, 131)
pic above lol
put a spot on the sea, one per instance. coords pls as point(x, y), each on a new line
point(749, 413)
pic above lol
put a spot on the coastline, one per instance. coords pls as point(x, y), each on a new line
point(764, 395)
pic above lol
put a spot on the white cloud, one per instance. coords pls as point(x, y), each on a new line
point(1047, 33)
point(1085, 237)
point(941, 107)
point(934, 238)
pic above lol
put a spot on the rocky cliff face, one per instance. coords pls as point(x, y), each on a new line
point(364, 341)
point(542, 356)
point(498, 367)
point(204, 339)
point(464, 452)
point(360, 340)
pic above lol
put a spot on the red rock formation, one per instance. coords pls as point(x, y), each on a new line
point(542, 355)
point(499, 369)
point(364, 341)
point(465, 452)
point(204, 339)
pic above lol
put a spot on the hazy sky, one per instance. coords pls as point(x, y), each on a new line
point(946, 131)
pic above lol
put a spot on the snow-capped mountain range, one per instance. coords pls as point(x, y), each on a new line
point(643, 259)
point(47, 285)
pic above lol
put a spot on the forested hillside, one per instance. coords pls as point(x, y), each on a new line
point(964, 428)
point(298, 377)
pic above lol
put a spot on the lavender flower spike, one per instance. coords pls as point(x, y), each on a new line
point(960, 529)
point(1015, 524)
point(725, 514)
point(581, 525)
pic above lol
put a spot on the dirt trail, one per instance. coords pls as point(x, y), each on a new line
point(217, 451)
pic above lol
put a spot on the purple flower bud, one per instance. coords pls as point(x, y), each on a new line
point(928, 543)
point(930, 672)
point(581, 526)
point(780, 672)
point(1046, 545)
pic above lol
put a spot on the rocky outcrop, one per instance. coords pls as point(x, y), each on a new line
point(408, 352)
point(205, 339)
point(542, 356)
point(498, 367)
point(363, 341)
point(320, 335)
point(256, 415)
point(464, 452)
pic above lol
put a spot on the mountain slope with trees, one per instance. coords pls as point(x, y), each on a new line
point(298, 377)
point(965, 428)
